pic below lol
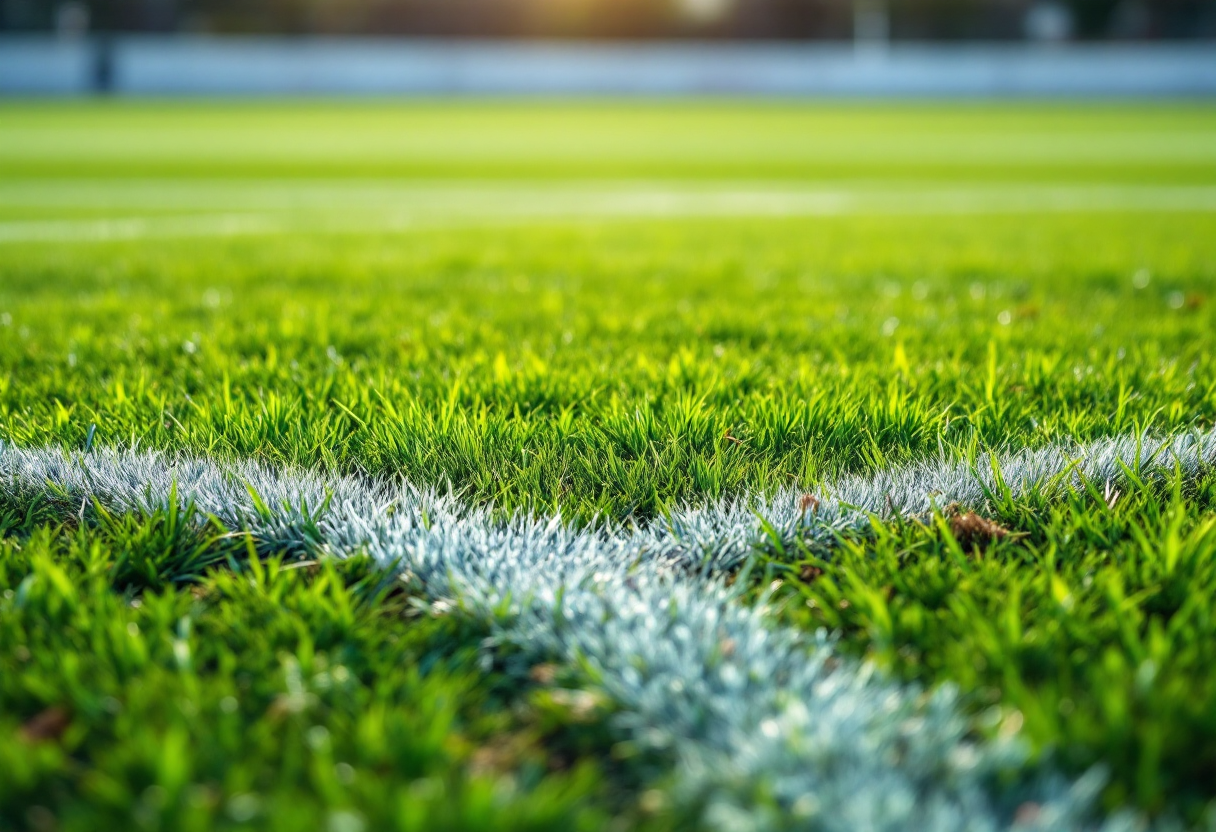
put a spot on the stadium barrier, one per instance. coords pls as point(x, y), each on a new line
point(185, 65)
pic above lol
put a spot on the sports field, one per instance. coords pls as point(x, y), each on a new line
point(623, 465)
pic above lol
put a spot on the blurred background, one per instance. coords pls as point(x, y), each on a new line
point(930, 47)
point(831, 20)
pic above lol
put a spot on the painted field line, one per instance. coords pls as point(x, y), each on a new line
point(627, 196)
point(362, 209)
point(135, 228)
point(768, 727)
point(726, 532)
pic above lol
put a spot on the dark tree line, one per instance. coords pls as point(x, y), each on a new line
point(757, 19)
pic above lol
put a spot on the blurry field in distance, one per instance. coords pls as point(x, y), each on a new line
point(659, 139)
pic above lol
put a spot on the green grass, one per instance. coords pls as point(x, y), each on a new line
point(274, 695)
point(604, 367)
point(597, 368)
point(1093, 629)
point(661, 139)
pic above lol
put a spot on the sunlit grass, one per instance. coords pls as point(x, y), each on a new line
point(607, 365)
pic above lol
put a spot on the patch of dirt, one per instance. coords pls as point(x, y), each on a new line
point(809, 573)
point(973, 531)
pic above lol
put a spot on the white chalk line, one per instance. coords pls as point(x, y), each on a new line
point(136, 228)
point(769, 727)
point(220, 210)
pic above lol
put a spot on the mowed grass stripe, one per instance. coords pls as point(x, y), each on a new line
point(783, 140)
point(762, 722)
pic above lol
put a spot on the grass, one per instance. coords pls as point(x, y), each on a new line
point(274, 695)
point(1092, 627)
point(598, 370)
point(449, 294)
point(660, 139)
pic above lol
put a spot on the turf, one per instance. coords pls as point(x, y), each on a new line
point(1092, 625)
point(277, 696)
point(604, 311)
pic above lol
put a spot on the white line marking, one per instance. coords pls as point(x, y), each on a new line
point(770, 728)
point(136, 228)
point(225, 209)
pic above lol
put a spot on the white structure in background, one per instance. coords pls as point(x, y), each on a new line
point(184, 65)
point(1048, 22)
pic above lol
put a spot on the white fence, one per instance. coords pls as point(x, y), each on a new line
point(333, 66)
